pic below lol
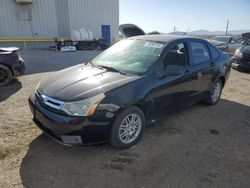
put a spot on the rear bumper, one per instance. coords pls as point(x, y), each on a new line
point(19, 68)
point(71, 130)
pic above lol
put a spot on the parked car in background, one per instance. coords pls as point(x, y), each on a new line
point(130, 85)
point(177, 33)
point(241, 57)
point(130, 30)
point(11, 65)
point(245, 36)
point(227, 43)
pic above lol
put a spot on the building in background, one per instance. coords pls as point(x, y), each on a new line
point(38, 19)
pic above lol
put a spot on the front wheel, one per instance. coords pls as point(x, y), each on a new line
point(215, 93)
point(128, 128)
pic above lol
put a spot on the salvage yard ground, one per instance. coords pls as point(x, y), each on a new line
point(196, 147)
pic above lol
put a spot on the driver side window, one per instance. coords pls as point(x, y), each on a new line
point(175, 56)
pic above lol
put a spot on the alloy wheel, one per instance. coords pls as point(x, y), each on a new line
point(216, 91)
point(130, 128)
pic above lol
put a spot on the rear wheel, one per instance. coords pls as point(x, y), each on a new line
point(5, 75)
point(215, 93)
point(128, 128)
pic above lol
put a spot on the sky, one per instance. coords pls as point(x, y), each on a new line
point(186, 15)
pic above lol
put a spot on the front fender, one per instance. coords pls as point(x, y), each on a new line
point(134, 93)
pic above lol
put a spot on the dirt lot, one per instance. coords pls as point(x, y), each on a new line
point(197, 147)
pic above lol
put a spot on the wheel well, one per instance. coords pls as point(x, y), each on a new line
point(141, 108)
point(8, 68)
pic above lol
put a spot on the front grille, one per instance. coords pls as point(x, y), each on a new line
point(246, 63)
point(246, 57)
point(47, 131)
point(48, 101)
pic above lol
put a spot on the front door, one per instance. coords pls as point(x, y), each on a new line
point(173, 91)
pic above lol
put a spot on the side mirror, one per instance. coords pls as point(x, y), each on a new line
point(170, 70)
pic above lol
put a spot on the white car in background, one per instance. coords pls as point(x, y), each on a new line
point(227, 43)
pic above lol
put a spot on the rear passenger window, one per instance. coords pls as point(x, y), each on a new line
point(215, 53)
point(199, 52)
point(176, 56)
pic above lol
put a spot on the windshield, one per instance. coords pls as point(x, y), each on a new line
point(130, 56)
point(221, 39)
point(247, 43)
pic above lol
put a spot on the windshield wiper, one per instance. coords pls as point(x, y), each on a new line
point(91, 63)
point(112, 69)
point(106, 67)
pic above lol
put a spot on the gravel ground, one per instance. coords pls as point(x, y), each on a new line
point(196, 147)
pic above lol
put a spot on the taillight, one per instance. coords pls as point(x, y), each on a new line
point(16, 54)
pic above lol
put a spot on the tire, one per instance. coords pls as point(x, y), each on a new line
point(128, 128)
point(5, 75)
point(215, 93)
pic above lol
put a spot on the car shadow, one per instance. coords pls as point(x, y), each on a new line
point(49, 164)
point(12, 88)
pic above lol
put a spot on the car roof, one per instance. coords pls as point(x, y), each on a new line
point(162, 38)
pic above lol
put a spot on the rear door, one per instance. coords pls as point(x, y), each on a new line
point(202, 68)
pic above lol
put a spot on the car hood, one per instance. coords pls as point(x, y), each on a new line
point(81, 82)
point(130, 30)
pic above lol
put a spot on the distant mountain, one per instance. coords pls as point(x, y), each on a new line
point(206, 32)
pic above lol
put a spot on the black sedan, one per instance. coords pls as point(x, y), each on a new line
point(11, 65)
point(241, 58)
point(130, 85)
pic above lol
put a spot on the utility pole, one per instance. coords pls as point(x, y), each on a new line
point(227, 26)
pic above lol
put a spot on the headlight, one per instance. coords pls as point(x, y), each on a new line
point(238, 53)
point(85, 107)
